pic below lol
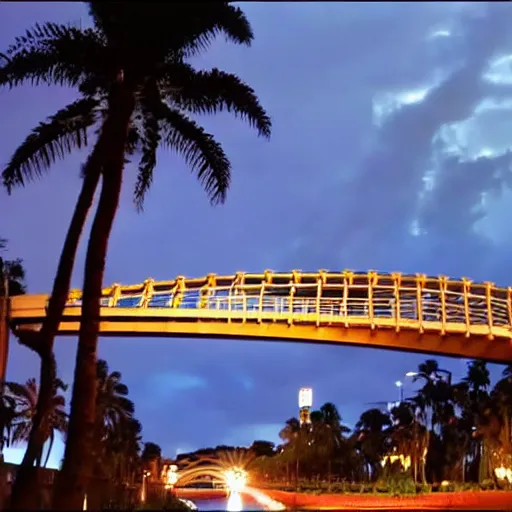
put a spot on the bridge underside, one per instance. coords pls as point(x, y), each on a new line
point(381, 333)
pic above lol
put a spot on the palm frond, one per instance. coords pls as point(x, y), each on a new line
point(133, 141)
point(150, 141)
point(169, 29)
point(53, 53)
point(211, 92)
point(203, 154)
point(51, 140)
point(210, 20)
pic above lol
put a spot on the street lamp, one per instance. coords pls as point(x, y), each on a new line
point(145, 474)
point(400, 385)
point(447, 373)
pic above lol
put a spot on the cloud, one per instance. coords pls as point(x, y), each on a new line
point(165, 386)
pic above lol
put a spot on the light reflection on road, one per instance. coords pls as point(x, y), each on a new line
point(235, 503)
point(232, 504)
point(251, 499)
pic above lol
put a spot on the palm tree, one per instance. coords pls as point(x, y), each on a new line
point(478, 408)
point(113, 407)
point(370, 430)
point(7, 417)
point(292, 435)
point(117, 432)
point(478, 377)
point(332, 431)
point(12, 273)
point(132, 67)
point(25, 398)
point(12, 282)
point(58, 136)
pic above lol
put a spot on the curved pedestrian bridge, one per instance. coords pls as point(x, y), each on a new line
point(415, 313)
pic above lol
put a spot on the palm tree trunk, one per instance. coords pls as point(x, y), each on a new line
point(52, 439)
point(22, 487)
point(73, 479)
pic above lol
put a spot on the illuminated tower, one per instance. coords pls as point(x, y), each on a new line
point(305, 403)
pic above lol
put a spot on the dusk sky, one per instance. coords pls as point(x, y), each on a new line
point(390, 151)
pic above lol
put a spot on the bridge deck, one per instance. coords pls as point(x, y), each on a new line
point(413, 313)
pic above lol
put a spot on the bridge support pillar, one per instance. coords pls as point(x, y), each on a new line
point(4, 337)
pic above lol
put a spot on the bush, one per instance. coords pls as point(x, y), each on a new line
point(487, 485)
point(423, 488)
point(396, 481)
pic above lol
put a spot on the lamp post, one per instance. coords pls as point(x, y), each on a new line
point(400, 385)
point(145, 474)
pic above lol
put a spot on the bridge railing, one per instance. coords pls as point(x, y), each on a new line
point(344, 297)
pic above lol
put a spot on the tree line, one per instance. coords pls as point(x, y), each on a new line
point(137, 91)
point(448, 433)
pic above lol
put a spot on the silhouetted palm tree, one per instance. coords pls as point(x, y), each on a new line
point(7, 417)
point(12, 274)
point(25, 397)
point(371, 436)
point(117, 432)
point(132, 70)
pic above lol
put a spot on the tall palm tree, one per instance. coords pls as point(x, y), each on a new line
point(333, 432)
point(59, 135)
point(478, 377)
point(132, 67)
point(293, 436)
point(113, 407)
point(116, 431)
point(370, 430)
point(12, 282)
point(25, 397)
point(478, 407)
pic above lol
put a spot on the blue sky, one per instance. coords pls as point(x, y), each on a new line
point(392, 128)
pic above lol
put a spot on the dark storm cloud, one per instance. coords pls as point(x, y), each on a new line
point(333, 189)
point(382, 198)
